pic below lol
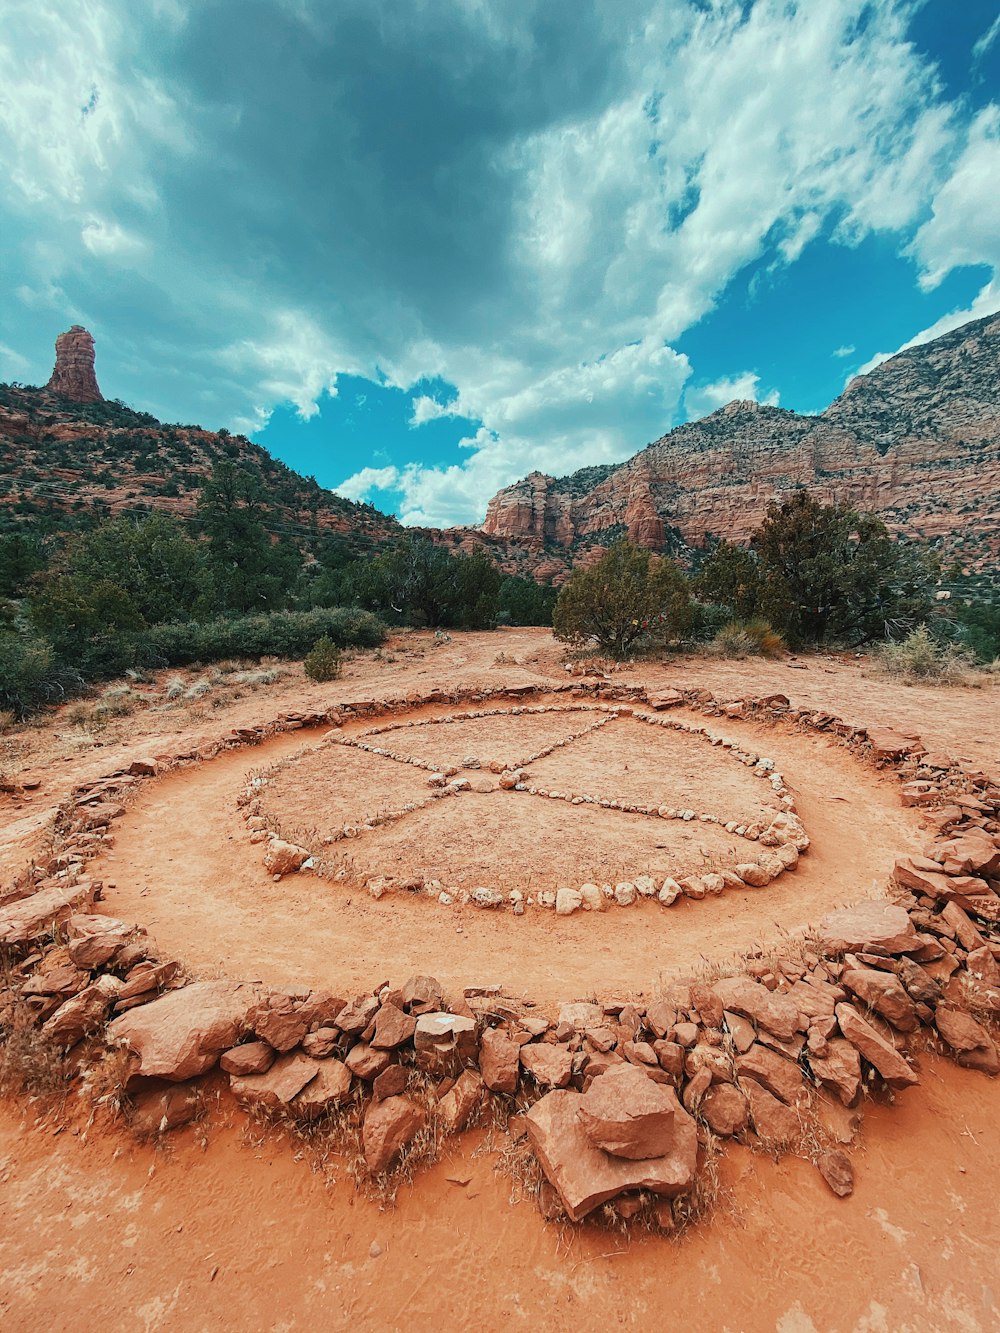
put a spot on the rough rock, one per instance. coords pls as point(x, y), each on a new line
point(356, 1016)
point(780, 1076)
point(97, 940)
point(840, 1069)
point(330, 1086)
point(568, 901)
point(836, 1169)
point(883, 992)
point(422, 995)
point(159, 1110)
point(628, 1115)
point(725, 1110)
point(868, 927)
point(972, 1044)
point(454, 1110)
point(183, 1032)
point(779, 1014)
point(284, 858)
point(445, 1043)
point(550, 1066)
point(390, 1083)
point(389, 1126)
point(499, 1061)
point(586, 1177)
point(81, 1014)
point(366, 1062)
point(392, 1028)
point(279, 1020)
point(73, 375)
point(885, 1058)
point(275, 1088)
point(773, 1120)
point(253, 1057)
point(30, 918)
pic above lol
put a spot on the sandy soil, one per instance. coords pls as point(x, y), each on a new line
point(104, 1233)
point(96, 1231)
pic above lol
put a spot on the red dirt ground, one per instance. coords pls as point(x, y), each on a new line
point(97, 1231)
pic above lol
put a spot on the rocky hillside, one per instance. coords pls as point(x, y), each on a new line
point(917, 440)
point(67, 456)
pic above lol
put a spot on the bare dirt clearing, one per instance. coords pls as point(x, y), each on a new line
point(247, 1236)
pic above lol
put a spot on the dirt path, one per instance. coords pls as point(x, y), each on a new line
point(106, 1234)
point(183, 866)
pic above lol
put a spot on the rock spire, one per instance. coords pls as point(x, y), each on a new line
point(73, 375)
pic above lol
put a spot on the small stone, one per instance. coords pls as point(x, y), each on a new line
point(389, 1127)
point(568, 901)
point(836, 1169)
point(253, 1057)
point(499, 1061)
point(625, 893)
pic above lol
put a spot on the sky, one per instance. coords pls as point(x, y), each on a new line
point(420, 248)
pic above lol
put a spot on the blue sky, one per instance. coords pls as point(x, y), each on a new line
point(419, 249)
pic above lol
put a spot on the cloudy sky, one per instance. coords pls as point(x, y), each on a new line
point(418, 248)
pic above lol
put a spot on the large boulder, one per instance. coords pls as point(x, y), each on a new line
point(30, 918)
point(184, 1032)
point(883, 992)
point(628, 1115)
point(584, 1175)
point(868, 927)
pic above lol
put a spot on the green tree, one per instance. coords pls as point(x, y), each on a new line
point(629, 601)
point(245, 569)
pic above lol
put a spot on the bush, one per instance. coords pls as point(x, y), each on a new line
point(280, 634)
point(628, 602)
point(919, 659)
point(31, 675)
point(323, 661)
point(748, 638)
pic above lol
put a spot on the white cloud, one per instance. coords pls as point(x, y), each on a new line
point(964, 226)
point(847, 350)
point(14, 364)
point(427, 409)
point(700, 400)
point(361, 485)
point(586, 191)
point(986, 41)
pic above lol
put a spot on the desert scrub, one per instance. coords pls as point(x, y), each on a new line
point(324, 660)
point(920, 659)
point(748, 638)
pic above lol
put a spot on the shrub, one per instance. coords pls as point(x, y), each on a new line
point(628, 602)
point(280, 634)
point(749, 638)
point(31, 675)
point(920, 659)
point(323, 661)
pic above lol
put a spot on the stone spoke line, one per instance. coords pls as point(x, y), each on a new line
point(782, 834)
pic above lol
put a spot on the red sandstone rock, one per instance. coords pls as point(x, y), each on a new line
point(184, 1032)
point(869, 926)
point(392, 1028)
point(883, 992)
point(455, 1108)
point(885, 1058)
point(253, 1057)
point(30, 918)
point(423, 995)
point(366, 1062)
point(499, 1061)
point(274, 1089)
point(725, 1110)
point(840, 1069)
point(628, 1115)
point(81, 1014)
point(390, 1083)
point(330, 1086)
point(389, 1126)
point(779, 1014)
point(73, 375)
point(972, 1044)
point(780, 1076)
point(773, 1120)
point(550, 1066)
point(279, 1020)
point(445, 1043)
point(836, 1169)
point(584, 1175)
point(355, 1017)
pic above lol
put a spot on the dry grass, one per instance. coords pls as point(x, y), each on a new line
point(30, 1065)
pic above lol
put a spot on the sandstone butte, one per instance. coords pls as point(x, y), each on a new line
point(73, 375)
point(917, 441)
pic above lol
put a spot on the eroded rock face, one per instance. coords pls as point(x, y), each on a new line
point(73, 375)
point(922, 425)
